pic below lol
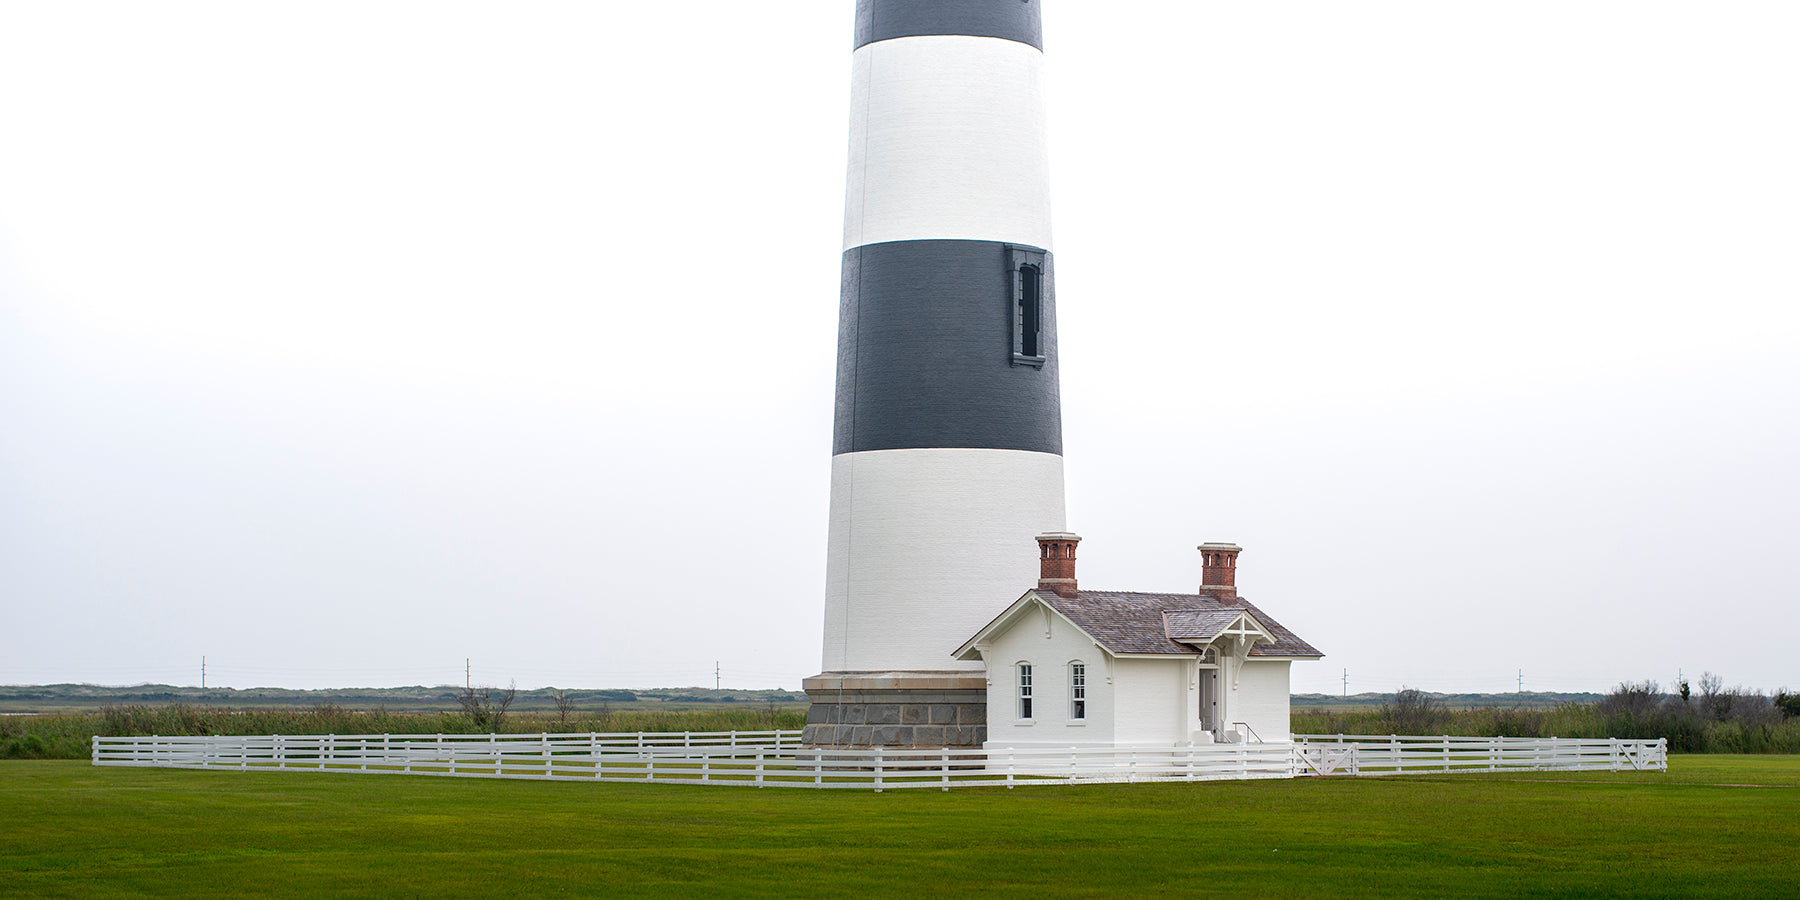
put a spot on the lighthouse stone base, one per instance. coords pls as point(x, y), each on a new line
point(896, 709)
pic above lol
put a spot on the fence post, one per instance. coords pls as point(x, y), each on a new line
point(759, 768)
point(878, 754)
point(946, 758)
point(1446, 753)
point(1009, 768)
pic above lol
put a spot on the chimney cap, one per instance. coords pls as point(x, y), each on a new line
point(1058, 536)
point(1218, 545)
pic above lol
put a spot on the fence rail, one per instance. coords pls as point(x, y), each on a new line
point(776, 758)
point(1362, 754)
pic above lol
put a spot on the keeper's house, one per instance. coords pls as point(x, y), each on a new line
point(1068, 667)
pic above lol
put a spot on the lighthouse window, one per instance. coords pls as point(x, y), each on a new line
point(1028, 288)
point(1077, 691)
point(1031, 309)
point(1024, 690)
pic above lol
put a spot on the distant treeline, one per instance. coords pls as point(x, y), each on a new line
point(417, 698)
point(1528, 699)
point(1712, 719)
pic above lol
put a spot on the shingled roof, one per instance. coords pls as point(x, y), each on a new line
point(1133, 622)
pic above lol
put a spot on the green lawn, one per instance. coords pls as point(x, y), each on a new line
point(71, 830)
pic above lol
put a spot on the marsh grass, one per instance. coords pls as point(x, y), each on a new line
point(67, 735)
point(1714, 719)
point(1631, 712)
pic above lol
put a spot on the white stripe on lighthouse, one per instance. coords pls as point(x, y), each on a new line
point(926, 546)
point(947, 141)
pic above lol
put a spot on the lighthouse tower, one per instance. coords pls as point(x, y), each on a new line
point(947, 448)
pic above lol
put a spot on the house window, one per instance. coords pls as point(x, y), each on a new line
point(1077, 691)
point(1024, 690)
point(1028, 288)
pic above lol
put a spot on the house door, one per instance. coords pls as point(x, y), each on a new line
point(1209, 700)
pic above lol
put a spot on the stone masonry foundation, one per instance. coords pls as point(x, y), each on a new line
point(917, 710)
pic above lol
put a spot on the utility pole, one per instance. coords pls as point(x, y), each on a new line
point(1346, 683)
point(465, 673)
point(203, 673)
point(1521, 681)
point(715, 674)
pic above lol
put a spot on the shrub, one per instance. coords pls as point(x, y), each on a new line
point(1413, 712)
point(1789, 704)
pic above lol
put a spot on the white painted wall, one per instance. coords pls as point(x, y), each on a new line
point(1150, 698)
point(926, 547)
point(1262, 697)
point(947, 141)
point(1049, 647)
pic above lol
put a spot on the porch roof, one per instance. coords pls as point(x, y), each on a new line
point(1202, 626)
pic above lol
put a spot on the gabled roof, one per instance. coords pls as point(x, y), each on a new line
point(1128, 622)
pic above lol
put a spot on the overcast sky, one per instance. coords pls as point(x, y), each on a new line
point(341, 342)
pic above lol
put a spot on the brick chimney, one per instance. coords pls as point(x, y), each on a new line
point(1218, 578)
point(1056, 561)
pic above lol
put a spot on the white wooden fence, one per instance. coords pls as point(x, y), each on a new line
point(776, 759)
point(1362, 754)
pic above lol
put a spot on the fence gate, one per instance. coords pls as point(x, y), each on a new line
point(1325, 760)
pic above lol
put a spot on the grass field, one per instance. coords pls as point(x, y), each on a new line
point(1713, 826)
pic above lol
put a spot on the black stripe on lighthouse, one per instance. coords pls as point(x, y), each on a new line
point(1013, 20)
point(947, 343)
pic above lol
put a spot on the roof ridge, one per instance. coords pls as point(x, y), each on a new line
point(1140, 593)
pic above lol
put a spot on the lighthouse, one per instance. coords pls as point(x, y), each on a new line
point(947, 442)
